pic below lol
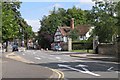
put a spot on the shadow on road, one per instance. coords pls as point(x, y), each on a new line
point(91, 66)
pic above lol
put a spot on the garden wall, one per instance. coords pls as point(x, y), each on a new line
point(109, 49)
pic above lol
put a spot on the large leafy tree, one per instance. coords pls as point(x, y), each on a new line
point(0, 22)
point(12, 22)
point(102, 17)
point(118, 17)
point(9, 20)
point(78, 14)
point(10, 16)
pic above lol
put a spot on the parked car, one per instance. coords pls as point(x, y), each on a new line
point(15, 47)
point(57, 48)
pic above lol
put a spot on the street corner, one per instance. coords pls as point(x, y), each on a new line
point(17, 58)
point(57, 74)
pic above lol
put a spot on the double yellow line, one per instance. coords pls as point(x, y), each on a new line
point(60, 74)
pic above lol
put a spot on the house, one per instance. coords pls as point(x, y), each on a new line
point(62, 33)
point(84, 31)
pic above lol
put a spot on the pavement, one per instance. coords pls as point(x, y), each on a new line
point(14, 66)
point(101, 57)
point(96, 57)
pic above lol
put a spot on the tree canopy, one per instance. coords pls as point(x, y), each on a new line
point(10, 16)
point(102, 16)
point(12, 21)
point(118, 17)
point(13, 25)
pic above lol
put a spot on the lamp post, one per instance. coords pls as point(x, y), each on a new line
point(22, 37)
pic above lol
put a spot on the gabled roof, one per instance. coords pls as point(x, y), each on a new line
point(83, 29)
point(64, 30)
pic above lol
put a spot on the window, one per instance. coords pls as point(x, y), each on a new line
point(58, 38)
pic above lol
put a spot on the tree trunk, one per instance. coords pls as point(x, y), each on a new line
point(6, 46)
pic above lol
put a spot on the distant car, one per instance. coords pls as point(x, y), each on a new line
point(57, 48)
point(15, 47)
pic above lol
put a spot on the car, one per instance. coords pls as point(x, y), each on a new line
point(57, 48)
point(14, 47)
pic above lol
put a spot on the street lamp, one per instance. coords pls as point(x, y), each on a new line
point(22, 39)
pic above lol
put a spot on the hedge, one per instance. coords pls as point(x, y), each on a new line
point(81, 45)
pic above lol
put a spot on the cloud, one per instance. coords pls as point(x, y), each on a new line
point(85, 1)
point(57, 5)
point(34, 23)
point(56, 0)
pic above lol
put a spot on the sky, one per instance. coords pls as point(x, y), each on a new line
point(32, 12)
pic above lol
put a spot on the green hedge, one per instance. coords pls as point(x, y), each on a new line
point(81, 45)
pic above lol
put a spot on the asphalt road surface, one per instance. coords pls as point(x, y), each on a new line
point(72, 67)
point(15, 70)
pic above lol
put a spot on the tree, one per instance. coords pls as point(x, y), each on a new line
point(78, 14)
point(102, 17)
point(12, 22)
point(0, 22)
point(118, 17)
point(45, 40)
point(74, 34)
point(10, 16)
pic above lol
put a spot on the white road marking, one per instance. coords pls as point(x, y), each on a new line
point(33, 52)
point(77, 60)
point(110, 68)
point(80, 65)
point(62, 61)
point(86, 70)
point(57, 57)
point(37, 58)
point(51, 55)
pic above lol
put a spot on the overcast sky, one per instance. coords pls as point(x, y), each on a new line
point(32, 12)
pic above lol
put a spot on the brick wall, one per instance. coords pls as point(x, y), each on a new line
point(109, 49)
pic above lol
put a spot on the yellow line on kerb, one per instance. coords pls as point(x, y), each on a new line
point(60, 74)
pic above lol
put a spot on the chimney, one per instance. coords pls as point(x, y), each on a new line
point(72, 23)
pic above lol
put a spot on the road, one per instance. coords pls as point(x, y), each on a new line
point(72, 67)
point(16, 70)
